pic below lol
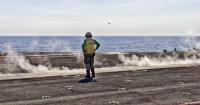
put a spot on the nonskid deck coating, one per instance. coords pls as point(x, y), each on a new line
point(164, 86)
point(80, 71)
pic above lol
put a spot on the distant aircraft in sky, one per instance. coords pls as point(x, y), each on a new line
point(109, 21)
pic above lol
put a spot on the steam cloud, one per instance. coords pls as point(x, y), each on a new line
point(15, 63)
point(137, 61)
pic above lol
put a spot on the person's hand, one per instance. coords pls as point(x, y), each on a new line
point(83, 52)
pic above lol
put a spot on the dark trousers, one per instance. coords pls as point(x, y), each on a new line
point(89, 61)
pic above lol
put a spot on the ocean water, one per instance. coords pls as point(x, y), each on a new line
point(108, 43)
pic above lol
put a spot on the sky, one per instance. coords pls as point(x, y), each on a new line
point(76, 17)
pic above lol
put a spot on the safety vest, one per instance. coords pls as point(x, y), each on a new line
point(89, 45)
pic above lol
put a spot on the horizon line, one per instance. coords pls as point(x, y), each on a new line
point(94, 35)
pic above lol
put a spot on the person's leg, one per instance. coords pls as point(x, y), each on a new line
point(92, 70)
point(92, 65)
point(87, 70)
point(87, 64)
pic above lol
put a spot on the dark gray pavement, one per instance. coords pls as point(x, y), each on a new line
point(166, 86)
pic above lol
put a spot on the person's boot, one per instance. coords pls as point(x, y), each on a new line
point(93, 75)
point(87, 76)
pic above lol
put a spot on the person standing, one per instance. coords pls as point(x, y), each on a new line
point(88, 48)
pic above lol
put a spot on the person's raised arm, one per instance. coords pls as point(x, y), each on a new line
point(83, 46)
point(98, 45)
